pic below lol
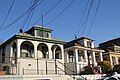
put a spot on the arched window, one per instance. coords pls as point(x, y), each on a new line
point(27, 49)
point(42, 50)
point(56, 52)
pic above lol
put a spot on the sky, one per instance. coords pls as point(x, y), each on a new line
point(106, 25)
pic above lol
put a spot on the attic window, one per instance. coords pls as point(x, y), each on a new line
point(89, 44)
point(42, 34)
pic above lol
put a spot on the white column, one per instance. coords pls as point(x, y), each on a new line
point(76, 60)
point(18, 48)
point(35, 51)
point(85, 55)
point(76, 55)
point(50, 52)
point(101, 57)
point(116, 60)
point(93, 58)
point(66, 57)
point(62, 53)
point(11, 51)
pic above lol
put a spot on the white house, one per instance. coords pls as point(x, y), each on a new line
point(81, 52)
point(32, 52)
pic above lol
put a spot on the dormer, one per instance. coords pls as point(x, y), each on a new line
point(86, 42)
point(39, 31)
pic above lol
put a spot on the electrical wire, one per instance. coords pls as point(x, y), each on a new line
point(59, 13)
point(47, 11)
point(7, 14)
point(30, 19)
point(82, 17)
point(29, 13)
point(21, 16)
point(94, 17)
point(87, 17)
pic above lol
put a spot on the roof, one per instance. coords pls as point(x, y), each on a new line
point(84, 38)
point(112, 42)
point(29, 37)
point(76, 42)
point(106, 45)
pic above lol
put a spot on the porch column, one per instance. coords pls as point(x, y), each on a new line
point(76, 55)
point(93, 58)
point(116, 60)
point(62, 53)
point(35, 51)
point(85, 56)
point(18, 48)
point(50, 52)
point(76, 60)
point(101, 57)
point(11, 51)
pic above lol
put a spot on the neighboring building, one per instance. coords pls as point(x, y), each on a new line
point(80, 53)
point(112, 51)
point(32, 52)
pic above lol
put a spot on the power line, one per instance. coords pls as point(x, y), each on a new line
point(48, 11)
point(21, 15)
point(60, 13)
point(7, 14)
point(85, 23)
point(85, 19)
point(82, 17)
point(94, 17)
point(29, 13)
point(30, 19)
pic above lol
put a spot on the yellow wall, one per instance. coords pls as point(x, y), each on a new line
point(116, 55)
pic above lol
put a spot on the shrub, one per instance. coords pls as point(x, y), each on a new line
point(105, 66)
point(88, 70)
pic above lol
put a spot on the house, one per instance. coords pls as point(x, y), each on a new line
point(32, 52)
point(112, 50)
point(81, 52)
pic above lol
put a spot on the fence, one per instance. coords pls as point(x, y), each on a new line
point(41, 72)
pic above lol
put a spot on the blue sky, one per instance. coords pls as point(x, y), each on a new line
point(106, 25)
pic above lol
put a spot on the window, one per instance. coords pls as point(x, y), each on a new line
point(3, 55)
point(45, 34)
point(80, 56)
point(42, 34)
point(71, 56)
point(89, 44)
point(113, 60)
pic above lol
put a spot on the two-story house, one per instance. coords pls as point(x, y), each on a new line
point(81, 52)
point(112, 50)
point(32, 52)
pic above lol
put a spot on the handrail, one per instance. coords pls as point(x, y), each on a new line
point(65, 66)
point(68, 74)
